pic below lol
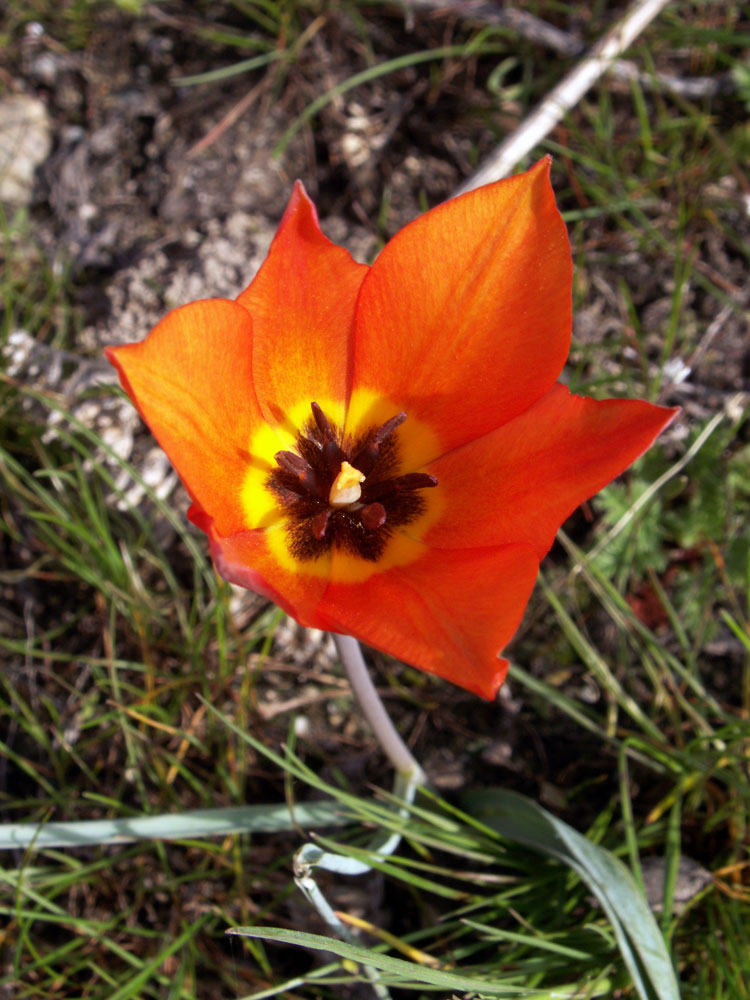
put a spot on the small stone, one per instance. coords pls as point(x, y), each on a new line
point(44, 68)
point(25, 142)
point(692, 878)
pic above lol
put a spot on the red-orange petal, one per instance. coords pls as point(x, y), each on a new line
point(191, 381)
point(302, 303)
point(246, 560)
point(464, 319)
point(519, 483)
point(450, 612)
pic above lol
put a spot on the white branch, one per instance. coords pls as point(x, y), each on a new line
point(382, 726)
point(565, 95)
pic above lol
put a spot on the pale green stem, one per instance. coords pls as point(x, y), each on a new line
point(385, 732)
point(409, 776)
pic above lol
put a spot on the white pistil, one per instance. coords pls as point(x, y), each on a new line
point(346, 488)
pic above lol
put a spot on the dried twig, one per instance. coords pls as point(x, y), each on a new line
point(569, 45)
point(521, 22)
point(683, 370)
point(229, 119)
point(566, 94)
point(690, 87)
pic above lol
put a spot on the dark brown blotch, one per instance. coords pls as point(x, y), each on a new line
point(302, 482)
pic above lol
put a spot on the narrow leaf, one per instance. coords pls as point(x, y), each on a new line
point(638, 936)
point(403, 972)
point(188, 825)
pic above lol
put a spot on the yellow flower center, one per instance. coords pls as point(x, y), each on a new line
point(340, 499)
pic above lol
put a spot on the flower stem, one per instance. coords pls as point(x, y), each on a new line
point(385, 732)
point(409, 776)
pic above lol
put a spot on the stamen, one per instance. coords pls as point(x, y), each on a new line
point(373, 516)
point(389, 427)
point(297, 466)
point(346, 487)
point(319, 523)
point(292, 463)
point(367, 455)
point(401, 484)
point(322, 421)
point(333, 456)
point(414, 481)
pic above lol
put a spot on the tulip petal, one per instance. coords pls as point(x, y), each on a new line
point(520, 482)
point(302, 303)
point(246, 560)
point(191, 382)
point(449, 612)
point(464, 319)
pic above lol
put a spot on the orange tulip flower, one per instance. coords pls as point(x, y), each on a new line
point(385, 451)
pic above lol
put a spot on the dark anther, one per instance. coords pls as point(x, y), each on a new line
point(319, 523)
point(292, 463)
point(414, 481)
point(298, 468)
point(367, 455)
point(401, 484)
point(322, 421)
point(333, 456)
point(373, 516)
point(386, 429)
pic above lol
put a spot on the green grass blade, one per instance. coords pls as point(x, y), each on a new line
point(226, 72)
point(403, 972)
point(366, 76)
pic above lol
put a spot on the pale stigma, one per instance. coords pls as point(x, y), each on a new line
point(346, 487)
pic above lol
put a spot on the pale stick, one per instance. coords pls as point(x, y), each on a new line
point(409, 776)
point(565, 95)
point(385, 732)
